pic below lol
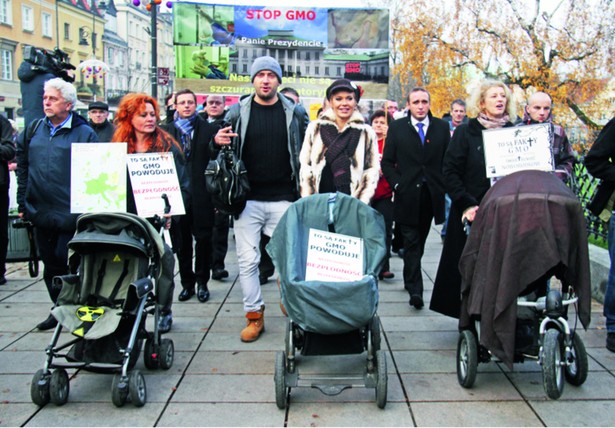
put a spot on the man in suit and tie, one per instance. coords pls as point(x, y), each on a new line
point(412, 164)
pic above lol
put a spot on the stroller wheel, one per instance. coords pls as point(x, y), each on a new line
point(166, 354)
point(119, 391)
point(281, 392)
point(467, 358)
point(381, 384)
point(150, 357)
point(39, 388)
point(59, 387)
point(576, 372)
point(137, 389)
point(375, 331)
point(552, 364)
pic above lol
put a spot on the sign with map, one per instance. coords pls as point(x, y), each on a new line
point(151, 176)
point(98, 177)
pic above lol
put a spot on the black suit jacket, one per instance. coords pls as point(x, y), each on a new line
point(408, 165)
point(196, 162)
point(599, 163)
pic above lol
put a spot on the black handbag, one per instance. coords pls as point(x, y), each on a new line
point(226, 179)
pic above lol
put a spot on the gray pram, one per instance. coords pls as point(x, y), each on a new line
point(329, 318)
point(105, 306)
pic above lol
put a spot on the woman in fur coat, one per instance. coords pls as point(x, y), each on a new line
point(340, 151)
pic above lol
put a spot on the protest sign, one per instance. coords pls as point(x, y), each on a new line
point(333, 257)
point(151, 176)
point(98, 177)
point(518, 148)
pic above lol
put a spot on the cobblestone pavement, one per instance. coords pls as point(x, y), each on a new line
point(216, 380)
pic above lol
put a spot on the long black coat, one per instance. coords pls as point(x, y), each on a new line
point(196, 162)
point(466, 184)
point(599, 163)
point(405, 161)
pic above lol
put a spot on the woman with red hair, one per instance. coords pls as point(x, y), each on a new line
point(136, 124)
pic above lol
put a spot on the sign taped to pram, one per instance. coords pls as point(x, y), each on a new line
point(518, 148)
point(333, 257)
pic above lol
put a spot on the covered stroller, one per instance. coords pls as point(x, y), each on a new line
point(329, 318)
point(529, 227)
point(105, 306)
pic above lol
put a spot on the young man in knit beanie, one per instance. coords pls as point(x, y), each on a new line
point(270, 151)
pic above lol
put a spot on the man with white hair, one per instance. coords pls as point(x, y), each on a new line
point(43, 179)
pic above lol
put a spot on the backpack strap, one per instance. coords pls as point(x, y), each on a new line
point(30, 131)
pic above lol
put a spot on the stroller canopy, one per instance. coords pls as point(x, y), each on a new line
point(528, 224)
point(328, 307)
point(96, 230)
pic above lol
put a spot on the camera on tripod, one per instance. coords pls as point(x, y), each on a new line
point(55, 62)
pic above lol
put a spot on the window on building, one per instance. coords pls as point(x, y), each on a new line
point(317, 56)
point(317, 70)
point(307, 56)
point(338, 71)
point(6, 58)
point(6, 12)
point(120, 57)
point(245, 68)
point(66, 31)
point(27, 18)
point(326, 71)
point(46, 24)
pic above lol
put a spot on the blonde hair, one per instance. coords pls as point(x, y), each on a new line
point(477, 96)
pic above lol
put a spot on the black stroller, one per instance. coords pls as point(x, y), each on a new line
point(529, 227)
point(329, 318)
point(105, 306)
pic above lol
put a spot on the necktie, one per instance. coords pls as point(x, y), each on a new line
point(421, 133)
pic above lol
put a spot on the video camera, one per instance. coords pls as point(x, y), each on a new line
point(55, 62)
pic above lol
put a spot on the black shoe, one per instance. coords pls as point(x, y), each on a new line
point(219, 274)
point(203, 293)
point(386, 275)
point(186, 294)
point(416, 301)
point(48, 324)
point(165, 322)
point(2, 280)
point(610, 341)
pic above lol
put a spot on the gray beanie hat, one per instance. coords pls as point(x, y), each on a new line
point(265, 63)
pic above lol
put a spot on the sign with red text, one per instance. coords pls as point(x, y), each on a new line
point(215, 46)
point(151, 176)
point(333, 257)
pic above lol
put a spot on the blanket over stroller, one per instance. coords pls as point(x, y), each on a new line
point(328, 307)
point(528, 224)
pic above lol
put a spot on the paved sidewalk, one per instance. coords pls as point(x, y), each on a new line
point(217, 380)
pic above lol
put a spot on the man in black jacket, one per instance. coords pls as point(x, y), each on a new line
point(412, 164)
point(599, 163)
point(98, 112)
point(7, 153)
point(194, 134)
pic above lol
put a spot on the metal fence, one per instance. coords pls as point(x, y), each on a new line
point(584, 186)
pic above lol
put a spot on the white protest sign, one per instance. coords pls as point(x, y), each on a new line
point(333, 257)
point(98, 177)
point(151, 176)
point(518, 148)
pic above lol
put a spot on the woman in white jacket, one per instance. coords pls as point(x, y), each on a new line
point(340, 151)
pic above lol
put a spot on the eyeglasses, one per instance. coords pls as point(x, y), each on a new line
point(214, 103)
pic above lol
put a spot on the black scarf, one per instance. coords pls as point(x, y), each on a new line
point(340, 148)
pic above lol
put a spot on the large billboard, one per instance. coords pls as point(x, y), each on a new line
point(216, 45)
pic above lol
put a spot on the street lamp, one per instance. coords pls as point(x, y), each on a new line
point(93, 66)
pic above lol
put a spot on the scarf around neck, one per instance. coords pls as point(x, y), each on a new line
point(491, 123)
point(185, 127)
point(340, 148)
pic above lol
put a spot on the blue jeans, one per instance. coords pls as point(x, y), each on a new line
point(609, 294)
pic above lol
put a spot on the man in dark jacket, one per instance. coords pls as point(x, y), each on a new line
point(7, 153)
point(43, 178)
point(599, 163)
point(412, 164)
point(98, 112)
point(194, 134)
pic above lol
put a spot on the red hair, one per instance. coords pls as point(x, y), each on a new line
point(131, 105)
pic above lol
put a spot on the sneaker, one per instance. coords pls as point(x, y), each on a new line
point(165, 322)
point(610, 341)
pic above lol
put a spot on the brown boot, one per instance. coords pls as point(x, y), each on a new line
point(255, 325)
